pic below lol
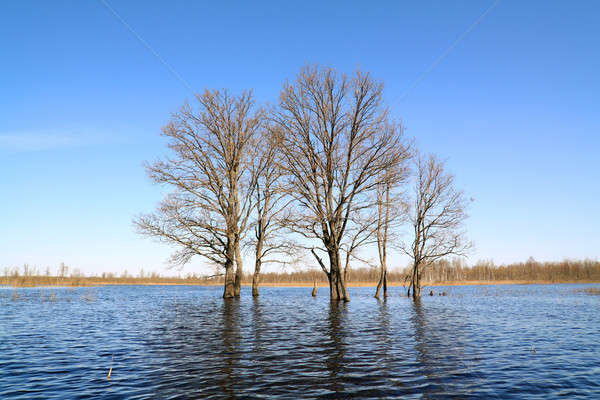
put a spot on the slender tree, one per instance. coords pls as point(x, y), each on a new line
point(383, 224)
point(336, 139)
point(270, 202)
point(391, 212)
point(437, 216)
point(213, 179)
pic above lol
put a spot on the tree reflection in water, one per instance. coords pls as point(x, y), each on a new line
point(230, 362)
point(439, 345)
point(258, 327)
point(385, 336)
point(189, 343)
point(387, 348)
point(335, 348)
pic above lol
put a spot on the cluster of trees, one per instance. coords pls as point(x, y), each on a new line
point(530, 270)
point(324, 171)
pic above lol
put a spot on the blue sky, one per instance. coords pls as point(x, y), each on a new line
point(513, 106)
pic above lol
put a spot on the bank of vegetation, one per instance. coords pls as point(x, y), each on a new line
point(439, 273)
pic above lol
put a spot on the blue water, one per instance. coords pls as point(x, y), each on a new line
point(518, 341)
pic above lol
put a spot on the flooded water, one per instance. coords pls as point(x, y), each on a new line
point(536, 341)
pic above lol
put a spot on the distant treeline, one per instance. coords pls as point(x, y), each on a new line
point(19, 280)
point(442, 271)
point(531, 270)
point(457, 271)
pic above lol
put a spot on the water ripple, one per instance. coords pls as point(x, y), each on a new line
point(186, 342)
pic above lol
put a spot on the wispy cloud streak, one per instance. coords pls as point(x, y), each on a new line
point(43, 141)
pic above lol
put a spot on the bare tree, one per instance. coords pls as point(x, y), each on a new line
point(336, 139)
point(212, 174)
point(391, 211)
point(383, 225)
point(63, 269)
point(270, 202)
point(437, 217)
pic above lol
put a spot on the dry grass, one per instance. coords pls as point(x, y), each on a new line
point(429, 284)
point(442, 273)
point(36, 281)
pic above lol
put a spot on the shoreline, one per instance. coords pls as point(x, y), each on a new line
point(83, 282)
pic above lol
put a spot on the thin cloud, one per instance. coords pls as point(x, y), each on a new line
point(43, 141)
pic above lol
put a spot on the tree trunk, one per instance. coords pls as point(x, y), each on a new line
point(256, 277)
point(346, 267)
point(257, 265)
point(335, 276)
point(332, 293)
point(379, 284)
point(383, 222)
point(344, 289)
point(416, 286)
point(418, 283)
point(382, 282)
point(337, 285)
point(412, 281)
point(229, 291)
point(238, 271)
point(385, 284)
point(314, 291)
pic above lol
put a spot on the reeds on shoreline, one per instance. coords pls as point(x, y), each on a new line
point(442, 273)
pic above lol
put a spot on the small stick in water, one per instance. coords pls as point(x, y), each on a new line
point(111, 363)
point(314, 291)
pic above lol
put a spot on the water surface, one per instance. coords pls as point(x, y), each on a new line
point(513, 341)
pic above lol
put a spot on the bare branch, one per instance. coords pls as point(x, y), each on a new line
point(437, 217)
point(213, 176)
point(335, 139)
